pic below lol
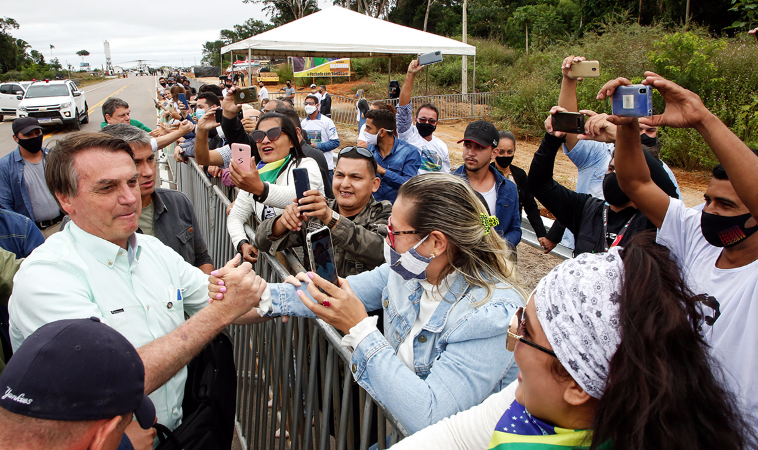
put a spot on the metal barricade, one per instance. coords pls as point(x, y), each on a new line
point(294, 381)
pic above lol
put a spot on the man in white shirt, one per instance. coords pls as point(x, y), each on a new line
point(434, 153)
point(321, 131)
point(99, 267)
point(717, 248)
point(262, 91)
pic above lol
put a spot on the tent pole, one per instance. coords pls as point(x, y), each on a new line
point(250, 67)
point(473, 80)
point(389, 69)
point(427, 80)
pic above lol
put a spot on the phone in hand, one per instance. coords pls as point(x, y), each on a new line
point(302, 182)
point(241, 154)
point(245, 95)
point(632, 101)
point(219, 115)
point(430, 58)
point(183, 99)
point(585, 69)
point(321, 253)
point(569, 122)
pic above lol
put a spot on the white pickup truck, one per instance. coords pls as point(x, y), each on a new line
point(10, 93)
point(55, 101)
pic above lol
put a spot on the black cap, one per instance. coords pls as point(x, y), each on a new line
point(76, 369)
point(24, 125)
point(481, 132)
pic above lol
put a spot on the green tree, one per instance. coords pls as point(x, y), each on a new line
point(7, 44)
point(38, 58)
point(285, 11)
point(212, 53)
point(686, 59)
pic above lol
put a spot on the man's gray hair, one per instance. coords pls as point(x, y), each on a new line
point(111, 105)
point(129, 133)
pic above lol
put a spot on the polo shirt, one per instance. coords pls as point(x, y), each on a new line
point(75, 274)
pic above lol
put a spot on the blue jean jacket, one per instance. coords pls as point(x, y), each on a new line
point(507, 211)
point(13, 193)
point(459, 355)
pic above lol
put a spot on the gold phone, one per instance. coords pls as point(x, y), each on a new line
point(246, 95)
point(585, 69)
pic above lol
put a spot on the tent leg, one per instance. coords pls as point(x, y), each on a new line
point(389, 69)
point(249, 68)
point(473, 81)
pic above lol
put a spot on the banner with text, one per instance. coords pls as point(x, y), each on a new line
point(310, 67)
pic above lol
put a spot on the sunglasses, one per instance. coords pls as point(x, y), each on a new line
point(361, 151)
point(516, 331)
point(392, 233)
point(273, 134)
point(425, 120)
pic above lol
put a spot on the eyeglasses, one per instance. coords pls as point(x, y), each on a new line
point(361, 151)
point(516, 331)
point(273, 134)
point(425, 120)
point(393, 233)
point(311, 104)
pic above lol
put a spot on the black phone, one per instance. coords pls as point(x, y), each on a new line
point(219, 115)
point(570, 122)
point(321, 253)
point(302, 183)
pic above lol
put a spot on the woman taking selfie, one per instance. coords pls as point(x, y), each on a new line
point(269, 186)
point(447, 291)
point(611, 357)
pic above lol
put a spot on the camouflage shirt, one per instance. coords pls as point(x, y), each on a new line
point(358, 243)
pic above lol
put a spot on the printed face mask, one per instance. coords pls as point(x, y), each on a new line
point(425, 129)
point(725, 231)
point(409, 265)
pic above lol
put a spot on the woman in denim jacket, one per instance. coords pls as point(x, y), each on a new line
point(447, 293)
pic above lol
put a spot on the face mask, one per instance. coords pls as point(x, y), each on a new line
point(425, 129)
point(408, 265)
point(648, 141)
point(504, 161)
point(725, 231)
point(612, 192)
point(31, 145)
point(310, 109)
point(199, 113)
point(371, 139)
point(163, 84)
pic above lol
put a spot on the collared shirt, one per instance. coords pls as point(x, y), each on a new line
point(18, 234)
point(87, 276)
point(400, 165)
point(13, 192)
point(175, 224)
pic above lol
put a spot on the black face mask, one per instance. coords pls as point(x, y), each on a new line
point(648, 141)
point(31, 145)
point(612, 191)
point(504, 161)
point(425, 129)
point(725, 231)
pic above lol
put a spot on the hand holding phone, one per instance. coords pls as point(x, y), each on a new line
point(183, 100)
point(321, 253)
point(569, 122)
point(241, 154)
point(584, 69)
point(635, 100)
point(245, 95)
point(429, 58)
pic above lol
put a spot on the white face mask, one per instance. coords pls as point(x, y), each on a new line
point(310, 109)
point(371, 138)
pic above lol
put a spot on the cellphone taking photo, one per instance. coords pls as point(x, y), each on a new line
point(302, 182)
point(585, 69)
point(319, 243)
point(241, 154)
point(183, 99)
point(245, 95)
point(632, 101)
point(429, 58)
point(219, 115)
point(569, 122)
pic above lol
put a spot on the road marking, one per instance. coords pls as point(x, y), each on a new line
point(106, 84)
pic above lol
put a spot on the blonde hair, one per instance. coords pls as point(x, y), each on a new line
point(447, 203)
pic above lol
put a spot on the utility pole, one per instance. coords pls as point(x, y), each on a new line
point(687, 15)
point(464, 62)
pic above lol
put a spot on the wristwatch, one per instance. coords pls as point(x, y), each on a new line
point(335, 219)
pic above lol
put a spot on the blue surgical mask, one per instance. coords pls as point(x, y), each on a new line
point(199, 113)
point(409, 265)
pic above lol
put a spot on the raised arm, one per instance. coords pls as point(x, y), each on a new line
point(203, 155)
point(407, 89)
point(184, 128)
point(567, 97)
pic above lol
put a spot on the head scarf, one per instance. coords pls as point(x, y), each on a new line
point(578, 306)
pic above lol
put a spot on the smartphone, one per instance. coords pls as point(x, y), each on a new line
point(585, 69)
point(319, 243)
point(219, 115)
point(429, 58)
point(570, 122)
point(242, 155)
point(302, 183)
point(632, 101)
point(246, 95)
point(183, 99)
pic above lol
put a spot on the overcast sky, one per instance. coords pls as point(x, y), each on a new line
point(172, 33)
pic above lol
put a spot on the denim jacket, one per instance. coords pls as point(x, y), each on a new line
point(459, 355)
point(13, 193)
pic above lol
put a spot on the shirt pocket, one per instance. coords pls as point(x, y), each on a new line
point(186, 235)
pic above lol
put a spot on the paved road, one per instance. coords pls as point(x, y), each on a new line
point(137, 91)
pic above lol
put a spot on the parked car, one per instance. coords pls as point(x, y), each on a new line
point(55, 102)
point(9, 97)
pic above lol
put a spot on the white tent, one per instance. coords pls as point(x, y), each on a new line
point(340, 32)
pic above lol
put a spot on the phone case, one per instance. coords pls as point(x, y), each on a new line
point(632, 101)
point(430, 58)
point(585, 69)
point(246, 95)
point(302, 182)
point(325, 269)
point(241, 155)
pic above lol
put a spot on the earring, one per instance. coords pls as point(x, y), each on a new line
point(432, 256)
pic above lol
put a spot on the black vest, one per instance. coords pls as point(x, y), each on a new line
point(590, 237)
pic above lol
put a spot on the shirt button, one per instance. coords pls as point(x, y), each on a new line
point(386, 303)
point(355, 368)
point(422, 338)
point(110, 263)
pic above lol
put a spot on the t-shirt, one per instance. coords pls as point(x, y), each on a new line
point(319, 130)
point(263, 93)
point(434, 154)
point(44, 206)
point(491, 198)
point(730, 300)
point(147, 220)
point(289, 91)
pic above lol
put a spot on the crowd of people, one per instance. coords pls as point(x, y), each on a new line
point(642, 340)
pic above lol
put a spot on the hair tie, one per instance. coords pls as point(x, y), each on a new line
point(488, 222)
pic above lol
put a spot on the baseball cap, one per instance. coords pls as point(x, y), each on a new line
point(24, 125)
point(313, 85)
point(96, 374)
point(481, 132)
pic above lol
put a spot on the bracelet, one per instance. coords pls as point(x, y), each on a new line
point(240, 244)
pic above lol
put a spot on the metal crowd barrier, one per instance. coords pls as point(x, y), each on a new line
point(294, 378)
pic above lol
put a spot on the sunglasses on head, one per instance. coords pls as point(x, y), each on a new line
point(272, 134)
point(361, 151)
point(516, 331)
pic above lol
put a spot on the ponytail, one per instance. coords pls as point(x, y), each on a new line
point(664, 391)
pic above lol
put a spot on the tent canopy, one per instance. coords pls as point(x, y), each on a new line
point(340, 32)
